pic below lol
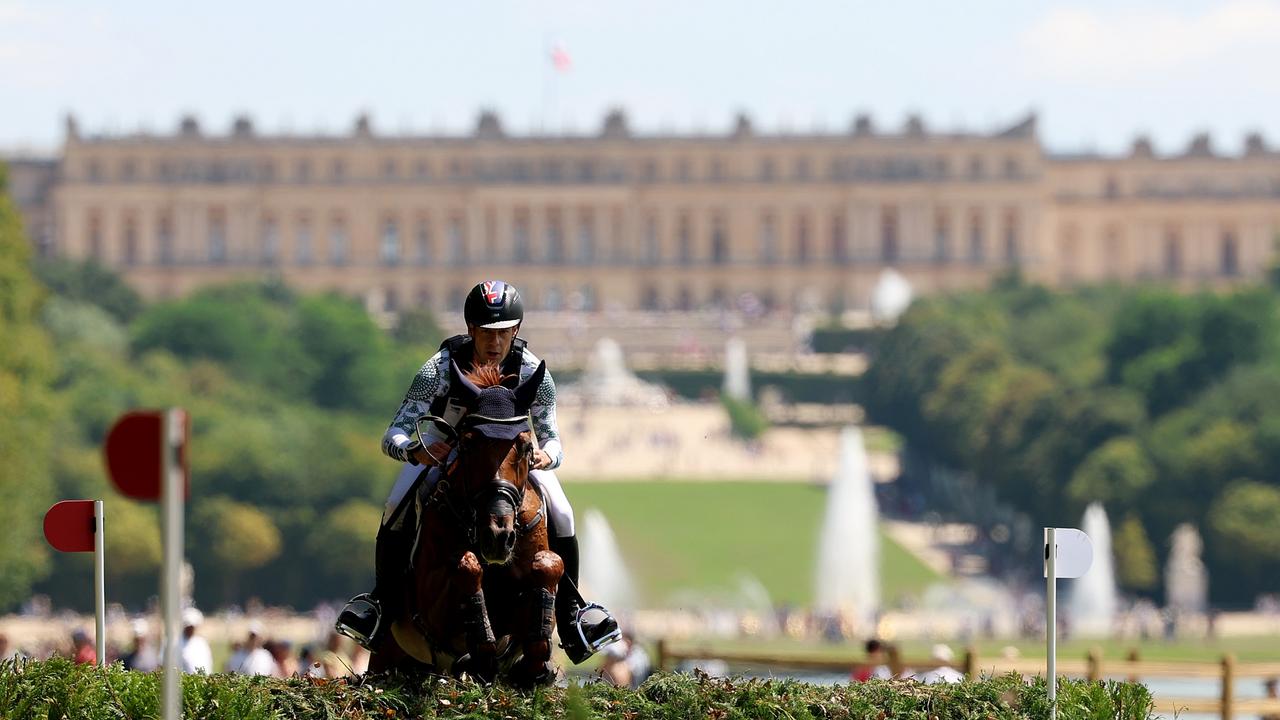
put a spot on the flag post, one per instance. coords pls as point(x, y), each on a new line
point(99, 586)
point(172, 494)
point(1050, 616)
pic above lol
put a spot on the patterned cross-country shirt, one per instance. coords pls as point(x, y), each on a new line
point(432, 381)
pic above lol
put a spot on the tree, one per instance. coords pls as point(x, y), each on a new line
point(1115, 474)
point(351, 362)
point(418, 327)
point(90, 282)
point(27, 411)
point(1136, 568)
point(343, 542)
point(1242, 535)
point(233, 538)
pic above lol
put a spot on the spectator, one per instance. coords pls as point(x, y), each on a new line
point(875, 666)
point(943, 673)
point(614, 668)
point(141, 657)
point(83, 652)
point(286, 665)
point(1272, 685)
point(638, 661)
point(333, 662)
point(257, 659)
point(6, 652)
point(196, 655)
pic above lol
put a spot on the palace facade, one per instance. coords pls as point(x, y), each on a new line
point(629, 222)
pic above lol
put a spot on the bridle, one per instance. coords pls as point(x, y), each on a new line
point(463, 509)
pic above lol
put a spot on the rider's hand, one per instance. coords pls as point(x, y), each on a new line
point(427, 456)
point(541, 460)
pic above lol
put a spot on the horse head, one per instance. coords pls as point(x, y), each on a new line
point(495, 455)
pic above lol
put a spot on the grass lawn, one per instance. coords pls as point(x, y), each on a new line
point(1246, 649)
point(688, 540)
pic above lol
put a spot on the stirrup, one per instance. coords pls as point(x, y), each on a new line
point(353, 605)
point(594, 646)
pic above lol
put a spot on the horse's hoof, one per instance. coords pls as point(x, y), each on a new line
point(483, 670)
point(524, 678)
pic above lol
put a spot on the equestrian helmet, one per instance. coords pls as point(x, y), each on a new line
point(493, 304)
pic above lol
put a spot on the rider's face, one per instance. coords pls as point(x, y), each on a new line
point(492, 345)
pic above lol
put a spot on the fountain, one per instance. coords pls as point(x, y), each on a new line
point(606, 381)
point(848, 580)
point(604, 573)
point(891, 297)
point(737, 374)
point(1186, 583)
point(1092, 604)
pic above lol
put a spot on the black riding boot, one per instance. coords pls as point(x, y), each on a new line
point(368, 615)
point(580, 639)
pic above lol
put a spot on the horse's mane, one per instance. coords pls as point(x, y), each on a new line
point(486, 376)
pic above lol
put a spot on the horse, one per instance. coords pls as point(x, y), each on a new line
point(481, 596)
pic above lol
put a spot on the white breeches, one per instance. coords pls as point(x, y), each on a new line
point(558, 509)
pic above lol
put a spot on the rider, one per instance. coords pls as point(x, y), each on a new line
point(493, 312)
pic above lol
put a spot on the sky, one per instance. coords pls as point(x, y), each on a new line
point(1096, 73)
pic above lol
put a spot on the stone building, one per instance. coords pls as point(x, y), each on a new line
point(624, 221)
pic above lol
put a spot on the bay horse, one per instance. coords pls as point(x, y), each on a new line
point(481, 594)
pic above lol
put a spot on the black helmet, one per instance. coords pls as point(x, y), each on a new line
point(493, 304)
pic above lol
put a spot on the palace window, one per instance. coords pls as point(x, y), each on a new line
point(618, 237)
point(684, 239)
point(1011, 241)
point(339, 242)
point(302, 171)
point(1172, 253)
point(651, 248)
point(555, 238)
point(767, 170)
point(389, 247)
point(889, 250)
point(802, 171)
point(521, 238)
point(422, 241)
point(270, 240)
point(768, 239)
point(977, 241)
point(719, 240)
point(302, 243)
point(839, 237)
point(130, 240)
point(338, 171)
point(976, 170)
point(1230, 254)
point(457, 238)
point(586, 238)
point(217, 236)
point(802, 254)
point(95, 236)
point(164, 240)
point(941, 237)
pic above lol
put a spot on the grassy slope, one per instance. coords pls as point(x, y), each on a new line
point(57, 689)
point(683, 539)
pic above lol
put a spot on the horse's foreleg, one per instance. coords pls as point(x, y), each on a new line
point(481, 645)
point(545, 577)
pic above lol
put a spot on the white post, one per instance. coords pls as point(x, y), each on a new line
point(99, 585)
point(1050, 615)
point(171, 499)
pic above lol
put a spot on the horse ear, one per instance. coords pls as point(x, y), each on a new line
point(469, 391)
point(527, 390)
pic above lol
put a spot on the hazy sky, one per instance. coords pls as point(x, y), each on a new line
point(1098, 73)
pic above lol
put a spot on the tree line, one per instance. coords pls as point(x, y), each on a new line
point(1163, 406)
point(289, 397)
